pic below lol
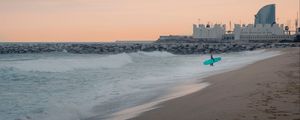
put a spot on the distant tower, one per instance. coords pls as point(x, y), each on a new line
point(230, 26)
point(296, 23)
point(266, 15)
point(298, 20)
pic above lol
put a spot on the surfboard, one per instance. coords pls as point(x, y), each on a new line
point(210, 61)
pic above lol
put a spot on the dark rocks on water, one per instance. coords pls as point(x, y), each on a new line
point(114, 48)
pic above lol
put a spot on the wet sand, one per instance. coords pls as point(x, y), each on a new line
point(266, 90)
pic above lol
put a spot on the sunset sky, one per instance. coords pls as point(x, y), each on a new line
point(110, 20)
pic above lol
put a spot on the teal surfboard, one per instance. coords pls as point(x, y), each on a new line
point(210, 61)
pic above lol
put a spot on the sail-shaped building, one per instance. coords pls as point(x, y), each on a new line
point(266, 15)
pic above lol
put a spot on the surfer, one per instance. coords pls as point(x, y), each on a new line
point(211, 57)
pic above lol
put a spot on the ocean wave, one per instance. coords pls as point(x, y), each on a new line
point(156, 54)
point(69, 63)
point(53, 64)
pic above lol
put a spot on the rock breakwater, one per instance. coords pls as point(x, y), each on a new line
point(114, 48)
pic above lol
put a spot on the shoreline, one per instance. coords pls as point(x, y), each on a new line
point(233, 96)
point(182, 90)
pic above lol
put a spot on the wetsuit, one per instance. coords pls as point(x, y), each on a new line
point(211, 57)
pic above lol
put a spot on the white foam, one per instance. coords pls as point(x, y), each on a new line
point(53, 64)
point(156, 54)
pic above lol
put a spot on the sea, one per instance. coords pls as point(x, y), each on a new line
point(66, 86)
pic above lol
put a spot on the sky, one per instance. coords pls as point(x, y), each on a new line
point(111, 20)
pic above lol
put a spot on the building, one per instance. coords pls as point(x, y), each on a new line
point(228, 37)
point(264, 29)
point(208, 32)
point(260, 32)
point(266, 15)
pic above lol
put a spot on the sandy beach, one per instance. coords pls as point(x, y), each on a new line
point(266, 90)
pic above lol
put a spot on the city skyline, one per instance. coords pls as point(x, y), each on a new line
point(105, 21)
